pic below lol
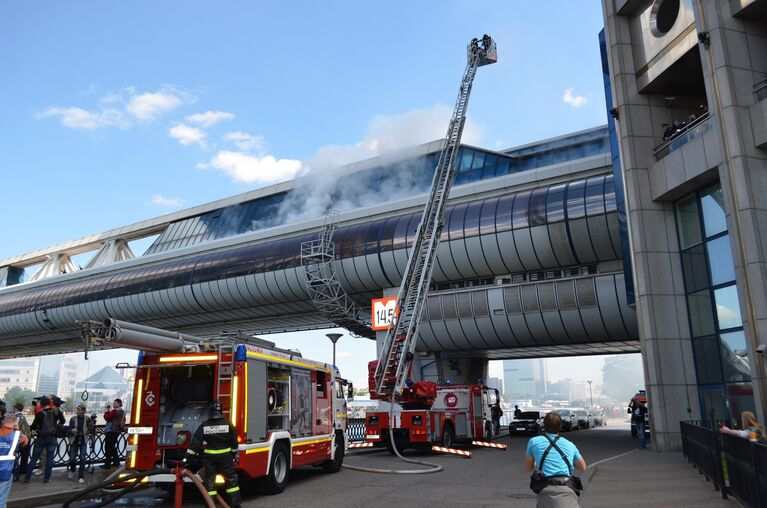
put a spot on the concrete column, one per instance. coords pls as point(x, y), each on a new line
point(660, 299)
point(734, 61)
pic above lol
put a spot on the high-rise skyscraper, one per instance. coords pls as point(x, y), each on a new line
point(524, 379)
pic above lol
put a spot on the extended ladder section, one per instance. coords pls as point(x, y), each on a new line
point(398, 347)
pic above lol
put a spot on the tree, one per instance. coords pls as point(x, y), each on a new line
point(69, 404)
point(622, 376)
point(18, 395)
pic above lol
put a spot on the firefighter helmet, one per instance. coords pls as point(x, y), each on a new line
point(216, 410)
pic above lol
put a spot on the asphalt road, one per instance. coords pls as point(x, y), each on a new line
point(490, 478)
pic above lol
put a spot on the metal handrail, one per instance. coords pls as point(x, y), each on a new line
point(684, 130)
point(95, 451)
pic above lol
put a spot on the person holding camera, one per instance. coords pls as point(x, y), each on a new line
point(46, 423)
point(552, 459)
point(115, 418)
point(80, 429)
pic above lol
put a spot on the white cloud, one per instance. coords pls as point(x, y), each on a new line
point(245, 141)
point(575, 101)
point(247, 168)
point(187, 135)
point(150, 105)
point(82, 119)
point(209, 118)
point(160, 200)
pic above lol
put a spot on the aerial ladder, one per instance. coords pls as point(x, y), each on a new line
point(395, 360)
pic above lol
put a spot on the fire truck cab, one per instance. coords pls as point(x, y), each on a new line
point(288, 411)
point(458, 413)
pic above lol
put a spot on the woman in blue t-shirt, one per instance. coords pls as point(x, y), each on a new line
point(555, 469)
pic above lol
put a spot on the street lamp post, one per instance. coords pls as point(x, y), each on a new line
point(334, 338)
point(591, 395)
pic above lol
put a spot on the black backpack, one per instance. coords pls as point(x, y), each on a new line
point(49, 425)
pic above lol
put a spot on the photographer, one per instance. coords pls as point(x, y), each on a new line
point(115, 418)
point(46, 424)
point(80, 429)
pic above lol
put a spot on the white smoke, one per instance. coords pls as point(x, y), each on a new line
point(324, 180)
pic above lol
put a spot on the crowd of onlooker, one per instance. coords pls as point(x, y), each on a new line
point(19, 459)
point(674, 129)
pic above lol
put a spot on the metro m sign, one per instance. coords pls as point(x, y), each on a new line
point(384, 312)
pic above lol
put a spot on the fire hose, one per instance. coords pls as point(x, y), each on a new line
point(433, 468)
point(179, 471)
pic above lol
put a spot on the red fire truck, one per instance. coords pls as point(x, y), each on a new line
point(428, 414)
point(288, 411)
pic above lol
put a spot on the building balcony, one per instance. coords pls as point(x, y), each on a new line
point(759, 114)
point(681, 163)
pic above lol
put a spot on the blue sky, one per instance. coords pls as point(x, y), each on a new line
point(117, 112)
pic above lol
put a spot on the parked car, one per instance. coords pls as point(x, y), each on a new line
point(528, 422)
point(569, 421)
point(584, 418)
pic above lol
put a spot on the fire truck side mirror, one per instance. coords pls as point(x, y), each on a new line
point(350, 392)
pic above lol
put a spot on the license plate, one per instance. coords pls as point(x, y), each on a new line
point(373, 436)
point(140, 430)
point(520, 428)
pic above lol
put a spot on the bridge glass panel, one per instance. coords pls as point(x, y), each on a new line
point(555, 203)
point(471, 223)
point(520, 218)
point(347, 240)
point(488, 216)
point(358, 248)
point(503, 215)
point(399, 241)
point(455, 224)
point(595, 204)
point(611, 204)
point(575, 195)
point(371, 237)
point(538, 207)
point(386, 239)
point(412, 226)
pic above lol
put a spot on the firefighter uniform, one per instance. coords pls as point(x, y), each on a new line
point(220, 439)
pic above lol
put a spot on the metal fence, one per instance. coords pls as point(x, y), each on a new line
point(96, 452)
point(736, 466)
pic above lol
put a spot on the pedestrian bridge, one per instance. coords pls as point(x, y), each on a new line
point(529, 264)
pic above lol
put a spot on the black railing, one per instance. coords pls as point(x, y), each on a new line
point(355, 430)
point(95, 450)
point(681, 137)
point(736, 466)
point(760, 90)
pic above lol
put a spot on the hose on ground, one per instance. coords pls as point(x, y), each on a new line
point(433, 468)
point(137, 476)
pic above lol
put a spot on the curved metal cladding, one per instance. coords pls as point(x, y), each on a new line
point(249, 285)
point(563, 312)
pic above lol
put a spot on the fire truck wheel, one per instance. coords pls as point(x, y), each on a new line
point(334, 466)
point(448, 436)
point(279, 469)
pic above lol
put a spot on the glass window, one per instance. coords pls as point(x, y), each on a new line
point(735, 357)
point(688, 222)
point(707, 364)
point(358, 247)
point(740, 397)
point(713, 403)
point(387, 234)
point(694, 269)
point(720, 260)
point(701, 316)
point(371, 238)
point(575, 192)
point(727, 307)
point(538, 207)
point(712, 203)
point(504, 166)
point(478, 161)
point(489, 169)
point(471, 224)
point(595, 196)
point(465, 162)
point(347, 235)
point(555, 203)
point(400, 233)
point(521, 210)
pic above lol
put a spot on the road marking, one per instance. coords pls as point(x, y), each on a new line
point(609, 458)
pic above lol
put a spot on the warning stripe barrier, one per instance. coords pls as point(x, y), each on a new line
point(360, 445)
point(500, 446)
point(463, 453)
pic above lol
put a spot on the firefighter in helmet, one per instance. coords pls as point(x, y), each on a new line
point(220, 451)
